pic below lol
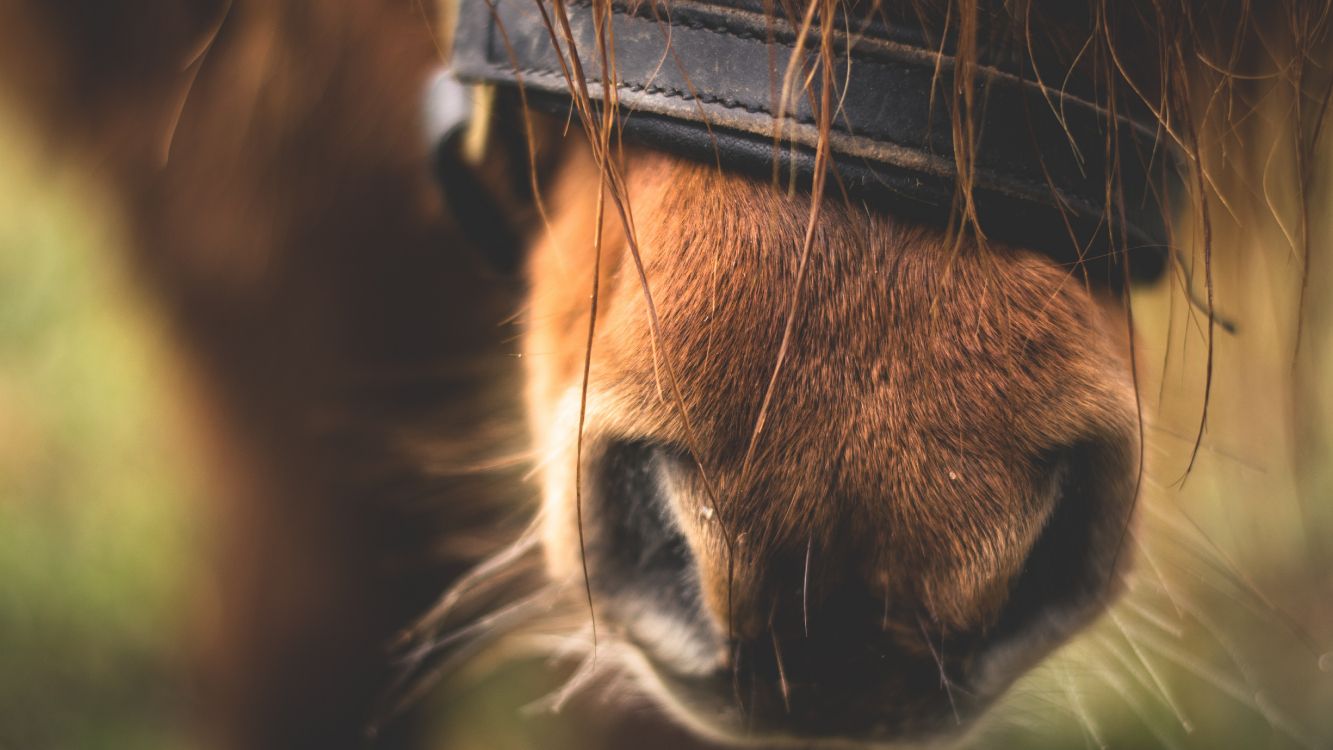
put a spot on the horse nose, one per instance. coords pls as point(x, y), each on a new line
point(811, 622)
point(1073, 563)
point(641, 569)
point(833, 641)
point(646, 584)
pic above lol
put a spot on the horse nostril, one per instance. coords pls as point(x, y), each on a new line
point(639, 561)
point(1072, 563)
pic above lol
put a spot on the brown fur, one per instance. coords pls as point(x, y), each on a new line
point(913, 366)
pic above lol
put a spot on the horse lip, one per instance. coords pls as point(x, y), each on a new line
point(710, 702)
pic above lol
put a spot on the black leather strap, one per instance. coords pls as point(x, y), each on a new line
point(701, 79)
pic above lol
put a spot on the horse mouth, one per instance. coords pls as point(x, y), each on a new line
point(741, 711)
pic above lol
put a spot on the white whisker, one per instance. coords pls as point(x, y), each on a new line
point(1126, 694)
point(1229, 687)
point(1143, 671)
point(782, 673)
point(1145, 612)
point(556, 701)
point(488, 627)
point(484, 574)
point(805, 587)
point(1148, 555)
point(945, 682)
point(1156, 678)
point(1079, 710)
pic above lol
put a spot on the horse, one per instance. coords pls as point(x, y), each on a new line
point(815, 464)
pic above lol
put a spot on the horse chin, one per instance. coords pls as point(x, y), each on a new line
point(705, 698)
point(710, 707)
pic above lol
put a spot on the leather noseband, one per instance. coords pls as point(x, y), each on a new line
point(1053, 170)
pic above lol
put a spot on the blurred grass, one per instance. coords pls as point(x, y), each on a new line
point(94, 536)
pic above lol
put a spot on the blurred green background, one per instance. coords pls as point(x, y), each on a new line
point(1223, 640)
point(95, 527)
